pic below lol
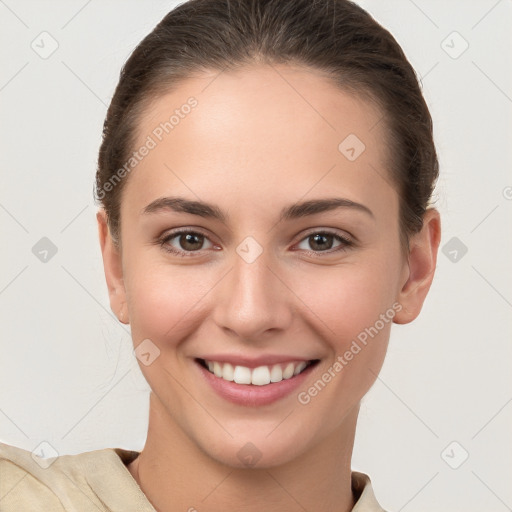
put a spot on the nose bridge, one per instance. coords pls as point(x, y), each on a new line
point(252, 299)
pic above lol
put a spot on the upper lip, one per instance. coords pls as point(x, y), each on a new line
point(254, 362)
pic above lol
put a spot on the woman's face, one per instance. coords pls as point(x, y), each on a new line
point(250, 285)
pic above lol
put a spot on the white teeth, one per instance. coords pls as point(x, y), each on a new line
point(217, 369)
point(288, 371)
point(260, 376)
point(276, 374)
point(299, 368)
point(228, 372)
point(242, 375)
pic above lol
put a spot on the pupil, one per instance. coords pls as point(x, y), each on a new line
point(191, 239)
point(316, 239)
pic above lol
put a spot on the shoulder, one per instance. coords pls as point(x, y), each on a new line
point(24, 483)
point(29, 481)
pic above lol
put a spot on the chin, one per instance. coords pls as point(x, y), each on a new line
point(257, 449)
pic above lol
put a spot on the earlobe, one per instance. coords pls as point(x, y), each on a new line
point(123, 316)
point(422, 264)
point(112, 265)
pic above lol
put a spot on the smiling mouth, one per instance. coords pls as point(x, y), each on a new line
point(260, 376)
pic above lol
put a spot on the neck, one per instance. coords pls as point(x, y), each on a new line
point(176, 476)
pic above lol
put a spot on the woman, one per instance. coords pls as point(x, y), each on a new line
point(264, 181)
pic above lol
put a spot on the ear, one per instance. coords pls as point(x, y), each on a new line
point(419, 272)
point(112, 265)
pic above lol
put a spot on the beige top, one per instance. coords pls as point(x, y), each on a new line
point(96, 481)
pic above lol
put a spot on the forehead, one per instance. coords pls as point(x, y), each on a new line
point(261, 133)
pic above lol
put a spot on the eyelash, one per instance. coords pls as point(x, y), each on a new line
point(345, 243)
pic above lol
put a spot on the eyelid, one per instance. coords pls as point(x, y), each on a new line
point(186, 229)
point(329, 231)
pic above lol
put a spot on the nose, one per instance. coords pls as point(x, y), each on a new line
point(253, 300)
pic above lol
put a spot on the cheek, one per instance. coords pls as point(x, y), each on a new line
point(355, 306)
point(164, 300)
point(348, 299)
point(354, 303)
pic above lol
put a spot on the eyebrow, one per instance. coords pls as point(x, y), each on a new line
point(294, 211)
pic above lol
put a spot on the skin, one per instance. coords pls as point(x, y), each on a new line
point(260, 139)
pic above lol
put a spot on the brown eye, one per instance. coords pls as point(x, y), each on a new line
point(324, 241)
point(321, 242)
point(190, 241)
point(184, 242)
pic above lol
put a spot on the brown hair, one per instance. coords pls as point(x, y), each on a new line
point(335, 37)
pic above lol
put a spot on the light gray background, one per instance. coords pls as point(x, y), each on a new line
point(67, 372)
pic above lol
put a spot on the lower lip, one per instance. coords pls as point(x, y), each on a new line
point(251, 395)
